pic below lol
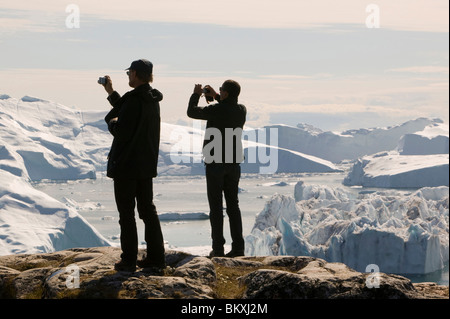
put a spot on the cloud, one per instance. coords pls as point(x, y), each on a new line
point(411, 15)
point(422, 69)
point(285, 77)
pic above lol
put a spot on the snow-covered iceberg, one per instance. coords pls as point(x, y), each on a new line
point(33, 222)
point(400, 232)
point(392, 170)
point(421, 159)
point(181, 153)
point(348, 145)
point(433, 139)
point(44, 140)
point(41, 140)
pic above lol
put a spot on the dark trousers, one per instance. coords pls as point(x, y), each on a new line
point(224, 178)
point(127, 193)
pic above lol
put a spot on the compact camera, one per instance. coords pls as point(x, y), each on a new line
point(208, 98)
point(102, 80)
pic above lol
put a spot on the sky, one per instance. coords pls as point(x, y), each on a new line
point(336, 65)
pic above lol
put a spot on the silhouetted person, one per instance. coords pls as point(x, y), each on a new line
point(222, 153)
point(135, 122)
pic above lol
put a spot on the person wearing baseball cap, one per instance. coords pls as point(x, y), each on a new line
point(135, 124)
point(143, 70)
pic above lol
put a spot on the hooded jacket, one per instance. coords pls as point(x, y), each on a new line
point(135, 147)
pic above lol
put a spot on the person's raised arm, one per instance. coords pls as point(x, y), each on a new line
point(194, 111)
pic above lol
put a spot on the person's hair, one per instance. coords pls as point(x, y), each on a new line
point(144, 76)
point(233, 88)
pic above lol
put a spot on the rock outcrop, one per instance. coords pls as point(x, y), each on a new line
point(89, 273)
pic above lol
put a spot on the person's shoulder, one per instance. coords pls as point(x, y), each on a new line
point(215, 106)
point(242, 108)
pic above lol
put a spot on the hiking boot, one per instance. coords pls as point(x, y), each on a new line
point(216, 253)
point(149, 266)
point(235, 253)
point(125, 266)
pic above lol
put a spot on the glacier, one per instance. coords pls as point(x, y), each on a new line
point(403, 232)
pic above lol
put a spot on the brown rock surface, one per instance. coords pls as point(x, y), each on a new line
point(89, 273)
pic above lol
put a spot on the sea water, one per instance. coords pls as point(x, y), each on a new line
point(94, 200)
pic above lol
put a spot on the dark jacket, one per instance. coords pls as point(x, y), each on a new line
point(135, 148)
point(226, 114)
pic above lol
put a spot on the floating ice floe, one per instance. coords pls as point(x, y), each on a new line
point(175, 216)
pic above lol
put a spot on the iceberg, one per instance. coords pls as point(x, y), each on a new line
point(432, 140)
point(41, 140)
point(392, 170)
point(33, 222)
point(400, 232)
point(348, 145)
point(421, 159)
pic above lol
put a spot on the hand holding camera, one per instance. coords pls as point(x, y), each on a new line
point(207, 91)
point(107, 83)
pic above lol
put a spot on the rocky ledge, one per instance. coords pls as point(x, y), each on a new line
point(89, 273)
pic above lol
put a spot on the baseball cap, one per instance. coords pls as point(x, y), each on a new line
point(141, 65)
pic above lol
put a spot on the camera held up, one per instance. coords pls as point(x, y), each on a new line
point(207, 97)
point(102, 80)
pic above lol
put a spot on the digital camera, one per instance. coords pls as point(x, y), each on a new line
point(102, 80)
point(208, 98)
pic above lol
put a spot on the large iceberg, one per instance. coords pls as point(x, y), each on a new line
point(421, 159)
point(400, 232)
point(433, 139)
point(392, 170)
point(44, 140)
point(41, 140)
point(33, 222)
point(351, 144)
